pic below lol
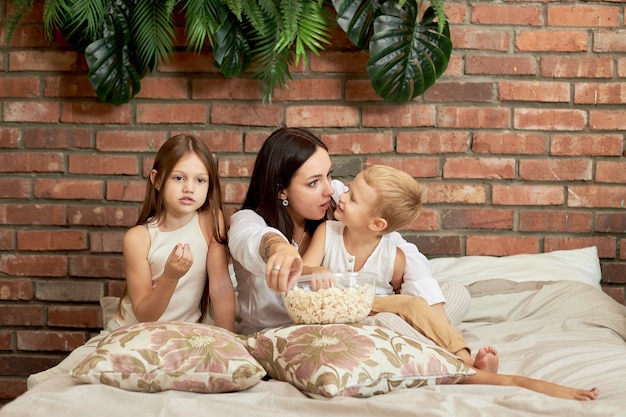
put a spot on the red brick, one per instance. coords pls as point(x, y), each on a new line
point(555, 169)
point(126, 191)
point(596, 93)
point(607, 119)
point(69, 189)
point(21, 315)
point(500, 245)
point(164, 88)
point(187, 62)
point(70, 291)
point(474, 117)
point(97, 266)
point(99, 164)
point(226, 89)
point(7, 239)
point(29, 111)
point(234, 192)
point(427, 220)
point(437, 245)
point(535, 91)
point(33, 214)
point(611, 222)
point(43, 60)
point(450, 193)
point(254, 140)
point(409, 115)
point(361, 90)
point(236, 166)
point(500, 65)
point(125, 216)
point(9, 137)
point(6, 340)
point(477, 218)
point(250, 115)
point(605, 244)
point(321, 116)
point(576, 66)
point(586, 144)
point(57, 138)
point(416, 167)
point(102, 242)
point(219, 140)
point(34, 265)
point(129, 141)
point(527, 195)
point(68, 86)
point(19, 87)
point(460, 91)
point(509, 142)
point(16, 289)
point(26, 365)
point(31, 162)
point(495, 168)
point(11, 388)
point(359, 143)
point(310, 90)
point(551, 41)
point(49, 340)
point(596, 196)
point(616, 293)
point(510, 15)
point(160, 113)
point(51, 240)
point(611, 171)
point(481, 39)
point(339, 62)
point(432, 142)
point(15, 188)
point(549, 119)
point(75, 316)
point(95, 113)
point(611, 41)
point(580, 15)
point(555, 221)
point(28, 36)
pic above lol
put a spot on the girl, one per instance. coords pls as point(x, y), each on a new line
point(179, 238)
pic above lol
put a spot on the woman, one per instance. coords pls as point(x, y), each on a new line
point(291, 192)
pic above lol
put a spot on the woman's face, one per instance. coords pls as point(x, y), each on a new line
point(310, 189)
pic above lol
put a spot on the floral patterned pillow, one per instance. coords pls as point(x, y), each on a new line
point(352, 360)
point(159, 356)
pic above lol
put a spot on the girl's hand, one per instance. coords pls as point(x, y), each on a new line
point(283, 268)
point(178, 262)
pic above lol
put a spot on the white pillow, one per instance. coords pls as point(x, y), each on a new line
point(580, 265)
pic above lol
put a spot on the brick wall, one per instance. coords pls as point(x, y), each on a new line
point(520, 146)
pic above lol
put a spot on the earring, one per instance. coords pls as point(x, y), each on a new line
point(284, 202)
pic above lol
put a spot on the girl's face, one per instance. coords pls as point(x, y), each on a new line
point(310, 190)
point(357, 206)
point(186, 188)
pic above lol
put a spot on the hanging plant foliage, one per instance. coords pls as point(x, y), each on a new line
point(124, 40)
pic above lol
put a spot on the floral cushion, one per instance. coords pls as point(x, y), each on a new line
point(160, 356)
point(352, 360)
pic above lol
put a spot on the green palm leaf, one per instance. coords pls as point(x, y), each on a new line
point(406, 56)
point(203, 21)
point(152, 33)
point(356, 18)
point(22, 7)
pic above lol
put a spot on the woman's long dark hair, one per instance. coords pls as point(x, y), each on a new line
point(282, 154)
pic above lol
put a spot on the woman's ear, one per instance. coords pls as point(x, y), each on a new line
point(153, 174)
point(282, 195)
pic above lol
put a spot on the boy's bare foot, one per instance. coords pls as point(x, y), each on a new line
point(487, 359)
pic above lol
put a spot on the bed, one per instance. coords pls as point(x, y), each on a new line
point(545, 314)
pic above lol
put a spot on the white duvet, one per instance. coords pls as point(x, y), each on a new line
point(564, 331)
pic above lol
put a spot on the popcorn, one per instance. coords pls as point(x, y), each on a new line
point(329, 305)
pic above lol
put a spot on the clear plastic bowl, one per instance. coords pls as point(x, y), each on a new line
point(344, 297)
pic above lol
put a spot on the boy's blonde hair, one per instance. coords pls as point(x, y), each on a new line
point(398, 195)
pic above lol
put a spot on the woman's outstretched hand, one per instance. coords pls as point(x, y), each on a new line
point(283, 268)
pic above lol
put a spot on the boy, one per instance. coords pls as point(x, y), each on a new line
point(382, 200)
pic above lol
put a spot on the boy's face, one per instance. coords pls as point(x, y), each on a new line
point(357, 206)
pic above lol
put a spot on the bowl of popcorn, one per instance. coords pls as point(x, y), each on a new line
point(344, 297)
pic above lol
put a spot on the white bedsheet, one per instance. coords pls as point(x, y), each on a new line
point(565, 332)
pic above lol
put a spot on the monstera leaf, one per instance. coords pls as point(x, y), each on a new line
point(406, 56)
point(111, 70)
